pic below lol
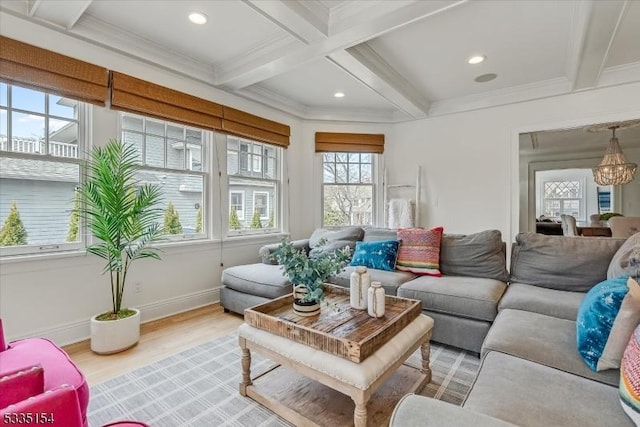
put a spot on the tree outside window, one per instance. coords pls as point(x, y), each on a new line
point(347, 188)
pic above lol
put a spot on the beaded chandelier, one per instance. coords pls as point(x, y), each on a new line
point(614, 168)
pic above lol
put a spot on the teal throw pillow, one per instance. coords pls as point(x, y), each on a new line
point(606, 318)
point(381, 255)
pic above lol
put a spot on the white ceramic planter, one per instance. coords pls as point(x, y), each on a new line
point(113, 336)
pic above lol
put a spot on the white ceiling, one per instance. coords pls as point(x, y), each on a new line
point(395, 60)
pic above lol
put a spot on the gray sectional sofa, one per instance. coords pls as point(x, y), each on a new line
point(531, 372)
point(463, 302)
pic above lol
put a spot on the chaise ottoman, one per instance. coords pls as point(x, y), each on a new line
point(244, 286)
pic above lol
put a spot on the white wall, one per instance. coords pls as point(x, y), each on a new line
point(470, 160)
point(470, 181)
point(54, 296)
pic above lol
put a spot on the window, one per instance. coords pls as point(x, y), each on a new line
point(253, 169)
point(562, 197)
point(172, 157)
point(261, 203)
point(236, 202)
point(41, 142)
point(348, 189)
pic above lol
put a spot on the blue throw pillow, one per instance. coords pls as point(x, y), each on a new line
point(606, 318)
point(381, 255)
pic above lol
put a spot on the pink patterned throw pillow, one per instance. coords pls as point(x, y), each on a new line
point(420, 250)
point(630, 378)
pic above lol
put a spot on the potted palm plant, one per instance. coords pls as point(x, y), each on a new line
point(122, 216)
point(308, 274)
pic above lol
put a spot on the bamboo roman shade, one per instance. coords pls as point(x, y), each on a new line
point(26, 65)
point(239, 123)
point(349, 142)
point(143, 97)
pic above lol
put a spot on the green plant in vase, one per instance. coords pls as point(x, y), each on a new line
point(310, 272)
point(122, 215)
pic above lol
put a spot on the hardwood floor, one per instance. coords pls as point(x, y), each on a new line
point(158, 339)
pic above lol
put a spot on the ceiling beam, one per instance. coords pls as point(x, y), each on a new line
point(594, 29)
point(64, 13)
point(232, 75)
point(32, 6)
point(295, 18)
point(363, 63)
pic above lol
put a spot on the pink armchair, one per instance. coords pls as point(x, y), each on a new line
point(40, 385)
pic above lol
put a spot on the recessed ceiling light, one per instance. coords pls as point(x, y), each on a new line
point(476, 59)
point(485, 77)
point(198, 18)
point(339, 95)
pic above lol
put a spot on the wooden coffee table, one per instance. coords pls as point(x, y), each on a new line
point(313, 368)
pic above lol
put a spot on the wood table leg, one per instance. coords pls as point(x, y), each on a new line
point(425, 351)
point(246, 367)
point(360, 411)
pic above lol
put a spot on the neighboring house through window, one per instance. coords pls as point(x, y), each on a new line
point(261, 203)
point(171, 156)
point(253, 170)
point(236, 202)
point(41, 144)
point(348, 189)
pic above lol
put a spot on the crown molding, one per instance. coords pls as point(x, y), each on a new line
point(522, 93)
point(620, 74)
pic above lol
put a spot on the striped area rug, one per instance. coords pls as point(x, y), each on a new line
point(199, 387)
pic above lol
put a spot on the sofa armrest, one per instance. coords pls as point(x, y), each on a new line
point(413, 410)
point(57, 407)
point(266, 252)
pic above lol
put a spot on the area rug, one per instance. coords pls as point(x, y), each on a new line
point(199, 387)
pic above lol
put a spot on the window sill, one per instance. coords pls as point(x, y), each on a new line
point(172, 247)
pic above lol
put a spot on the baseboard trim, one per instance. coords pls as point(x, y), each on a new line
point(73, 332)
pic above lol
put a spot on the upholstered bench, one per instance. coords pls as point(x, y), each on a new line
point(247, 285)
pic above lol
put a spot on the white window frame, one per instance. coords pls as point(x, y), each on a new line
point(187, 170)
point(240, 212)
point(83, 112)
point(376, 161)
point(247, 177)
point(262, 193)
point(581, 200)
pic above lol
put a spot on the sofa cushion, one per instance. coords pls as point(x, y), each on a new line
point(391, 280)
point(21, 384)
point(372, 234)
point(413, 410)
point(420, 250)
point(626, 259)
point(266, 252)
point(263, 280)
point(630, 378)
point(333, 239)
point(541, 260)
point(474, 255)
point(381, 255)
point(542, 339)
point(607, 316)
point(562, 304)
point(530, 394)
point(470, 297)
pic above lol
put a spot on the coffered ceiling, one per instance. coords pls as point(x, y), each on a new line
point(395, 60)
